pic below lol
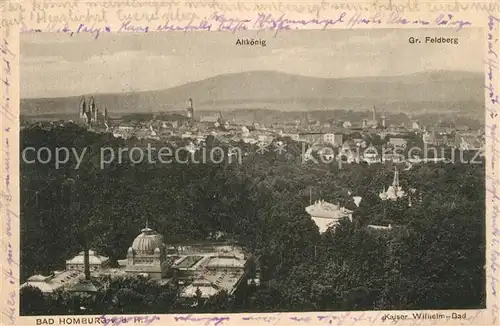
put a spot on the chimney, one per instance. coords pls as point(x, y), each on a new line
point(374, 114)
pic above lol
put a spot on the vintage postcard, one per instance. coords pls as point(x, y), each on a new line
point(240, 163)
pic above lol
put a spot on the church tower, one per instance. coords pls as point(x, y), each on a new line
point(190, 109)
point(83, 109)
point(92, 110)
point(395, 181)
point(374, 118)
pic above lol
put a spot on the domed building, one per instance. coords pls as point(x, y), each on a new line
point(210, 266)
point(146, 255)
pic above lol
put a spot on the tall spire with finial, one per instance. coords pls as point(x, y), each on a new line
point(395, 182)
point(146, 227)
point(190, 109)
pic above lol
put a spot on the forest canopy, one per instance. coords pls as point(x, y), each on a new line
point(433, 257)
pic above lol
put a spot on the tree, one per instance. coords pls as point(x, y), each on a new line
point(198, 299)
point(219, 302)
point(32, 301)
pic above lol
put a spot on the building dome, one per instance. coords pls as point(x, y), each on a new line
point(147, 242)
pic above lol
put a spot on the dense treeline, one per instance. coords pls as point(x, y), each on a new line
point(432, 258)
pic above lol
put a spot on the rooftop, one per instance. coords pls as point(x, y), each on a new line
point(206, 288)
point(380, 227)
point(94, 259)
point(226, 262)
point(48, 284)
point(212, 282)
point(225, 280)
point(188, 261)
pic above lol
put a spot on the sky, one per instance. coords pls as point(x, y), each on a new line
point(57, 65)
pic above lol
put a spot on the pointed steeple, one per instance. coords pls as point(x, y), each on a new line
point(395, 182)
point(83, 107)
point(92, 104)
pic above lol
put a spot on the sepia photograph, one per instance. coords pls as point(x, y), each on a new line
point(189, 173)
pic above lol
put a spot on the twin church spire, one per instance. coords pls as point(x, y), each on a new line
point(89, 113)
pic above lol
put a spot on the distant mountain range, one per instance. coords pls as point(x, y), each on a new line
point(429, 92)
